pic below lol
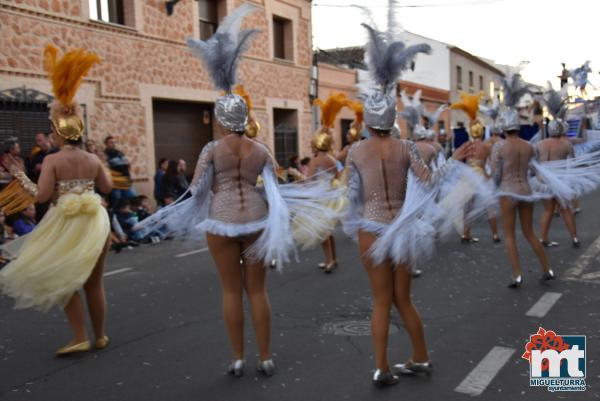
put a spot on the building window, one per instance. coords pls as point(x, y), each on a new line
point(285, 123)
point(283, 39)
point(481, 82)
point(458, 77)
point(112, 11)
point(471, 79)
point(209, 18)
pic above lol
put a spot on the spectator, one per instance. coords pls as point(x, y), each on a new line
point(44, 146)
point(12, 148)
point(127, 219)
point(141, 207)
point(171, 184)
point(293, 170)
point(304, 165)
point(92, 147)
point(119, 170)
point(163, 163)
point(6, 233)
point(181, 174)
point(26, 223)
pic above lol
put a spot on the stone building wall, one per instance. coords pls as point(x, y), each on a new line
point(148, 59)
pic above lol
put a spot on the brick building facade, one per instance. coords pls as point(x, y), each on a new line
point(149, 91)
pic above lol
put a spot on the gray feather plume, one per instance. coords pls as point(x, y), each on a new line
point(432, 118)
point(514, 89)
point(222, 52)
point(387, 60)
point(555, 102)
point(411, 109)
point(491, 111)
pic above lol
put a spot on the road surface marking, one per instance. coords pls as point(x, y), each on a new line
point(113, 272)
point(590, 254)
point(544, 304)
point(183, 255)
point(483, 374)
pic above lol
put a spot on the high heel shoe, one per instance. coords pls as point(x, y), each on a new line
point(384, 379)
point(576, 243)
point(329, 267)
point(102, 342)
point(549, 244)
point(236, 368)
point(496, 239)
point(411, 368)
point(549, 275)
point(516, 282)
point(322, 265)
point(468, 240)
point(71, 349)
point(266, 367)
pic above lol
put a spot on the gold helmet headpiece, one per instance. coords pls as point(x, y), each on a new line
point(476, 130)
point(66, 75)
point(330, 108)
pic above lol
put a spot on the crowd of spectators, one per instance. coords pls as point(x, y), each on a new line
point(125, 207)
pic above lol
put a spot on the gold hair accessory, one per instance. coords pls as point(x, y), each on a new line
point(66, 75)
point(476, 130)
point(322, 141)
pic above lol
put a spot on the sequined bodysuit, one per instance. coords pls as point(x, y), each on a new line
point(383, 180)
point(236, 199)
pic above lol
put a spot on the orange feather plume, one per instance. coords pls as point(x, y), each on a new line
point(331, 107)
point(358, 108)
point(67, 73)
point(469, 104)
point(241, 91)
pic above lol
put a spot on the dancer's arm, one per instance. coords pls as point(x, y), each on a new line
point(204, 160)
point(424, 173)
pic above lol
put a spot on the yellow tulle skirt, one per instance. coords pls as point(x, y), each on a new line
point(57, 257)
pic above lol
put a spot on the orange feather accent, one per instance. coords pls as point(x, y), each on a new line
point(469, 104)
point(331, 107)
point(241, 91)
point(358, 108)
point(67, 73)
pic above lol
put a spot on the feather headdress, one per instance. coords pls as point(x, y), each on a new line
point(514, 88)
point(491, 111)
point(386, 60)
point(469, 104)
point(66, 75)
point(432, 118)
point(331, 107)
point(412, 108)
point(358, 108)
point(555, 102)
point(222, 52)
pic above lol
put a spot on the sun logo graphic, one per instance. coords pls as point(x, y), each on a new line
point(556, 362)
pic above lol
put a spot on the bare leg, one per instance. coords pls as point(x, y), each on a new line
point(408, 312)
point(569, 219)
point(333, 251)
point(226, 253)
point(74, 312)
point(493, 224)
point(526, 217)
point(260, 308)
point(326, 245)
point(94, 292)
point(382, 288)
point(549, 206)
point(507, 207)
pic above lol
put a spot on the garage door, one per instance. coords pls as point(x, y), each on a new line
point(181, 129)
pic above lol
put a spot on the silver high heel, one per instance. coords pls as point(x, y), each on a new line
point(549, 275)
point(411, 368)
point(384, 379)
point(266, 367)
point(516, 282)
point(236, 368)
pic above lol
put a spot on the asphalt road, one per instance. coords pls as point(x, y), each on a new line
point(169, 341)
